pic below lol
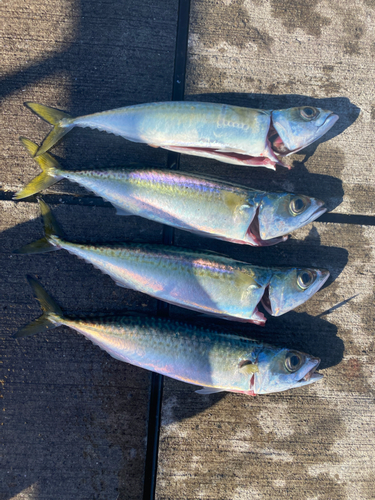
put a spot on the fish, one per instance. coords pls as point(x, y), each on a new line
point(194, 203)
point(198, 280)
point(231, 134)
point(215, 360)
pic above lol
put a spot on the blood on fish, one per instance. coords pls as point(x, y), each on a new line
point(255, 161)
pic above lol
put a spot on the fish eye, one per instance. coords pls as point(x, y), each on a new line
point(309, 113)
point(294, 361)
point(297, 206)
point(305, 279)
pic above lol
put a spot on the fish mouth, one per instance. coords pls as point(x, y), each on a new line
point(319, 210)
point(317, 213)
point(309, 376)
point(278, 146)
point(309, 373)
point(254, 238)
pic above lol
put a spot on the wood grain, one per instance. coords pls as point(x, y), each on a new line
point(74, 420)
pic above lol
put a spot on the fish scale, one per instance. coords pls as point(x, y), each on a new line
point(181, 351)
point(232, 134)
point(182, 277)
point(193, 203)
point(198, 280)
point(218, 361)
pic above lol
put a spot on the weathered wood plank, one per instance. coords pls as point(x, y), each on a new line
point(313, 442)
point(74, 421)
point(283, 53)
point(82, 58)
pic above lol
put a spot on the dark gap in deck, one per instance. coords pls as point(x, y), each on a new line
point(362, 220)
point(173, 162)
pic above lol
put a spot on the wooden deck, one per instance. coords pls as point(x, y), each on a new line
point(74, 423)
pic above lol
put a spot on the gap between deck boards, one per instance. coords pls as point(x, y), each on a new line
point(85, 201)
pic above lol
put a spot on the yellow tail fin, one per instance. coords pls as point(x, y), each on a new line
point(53, 234)
point(50, 175)
point(62, 122)
point(51, 316)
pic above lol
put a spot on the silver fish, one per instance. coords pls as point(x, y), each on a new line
point(217, 361)
point(232, 134)
point(194, 203)
point(201, 281)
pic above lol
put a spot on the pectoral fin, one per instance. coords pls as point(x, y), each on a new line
point(248, 367)
point(245, 280)
point(237, 203)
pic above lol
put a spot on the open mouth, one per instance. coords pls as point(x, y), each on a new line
point(312, 375)
point(309, 374)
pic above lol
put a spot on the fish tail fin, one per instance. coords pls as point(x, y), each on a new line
point(62, 122)
point(50, 171)
point(53, 234)
point(52, 316)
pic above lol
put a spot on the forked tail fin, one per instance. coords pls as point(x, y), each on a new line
point(52, 315)
point(53, 233)
point(50, 171)
point(62, 122)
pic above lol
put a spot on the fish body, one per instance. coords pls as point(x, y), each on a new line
point(214, 360)
point(180, 200)
point(201, 281)
point(232, 134)
point(194, 203)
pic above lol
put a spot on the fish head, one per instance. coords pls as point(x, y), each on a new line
point(280, 369)
point(279, 214)
point(289, 288)
point(296, 128)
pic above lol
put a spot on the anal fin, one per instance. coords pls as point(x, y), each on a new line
point(122, 211)
point(209, 390)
